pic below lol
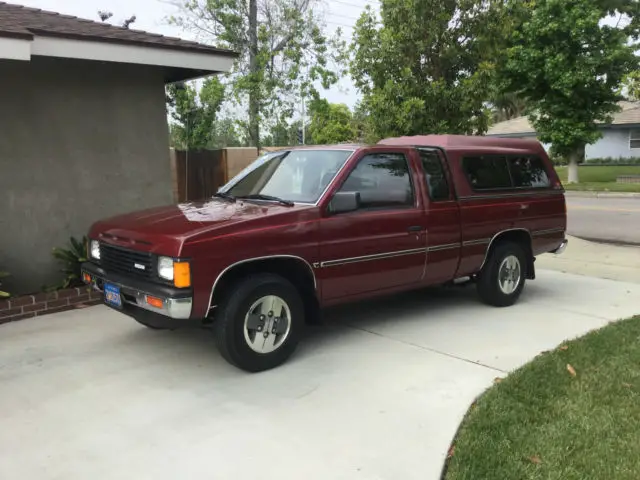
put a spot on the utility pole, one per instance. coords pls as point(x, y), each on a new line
point(304, 119)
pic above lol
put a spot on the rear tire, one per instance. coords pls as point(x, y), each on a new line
point(258, 326)
point(503, 276)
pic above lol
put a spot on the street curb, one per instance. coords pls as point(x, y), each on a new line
point(627, 195)
point(607, 241)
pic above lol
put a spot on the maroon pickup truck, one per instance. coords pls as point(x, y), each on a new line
point(304, 228)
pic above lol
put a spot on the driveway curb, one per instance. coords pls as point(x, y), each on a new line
point(579, 194)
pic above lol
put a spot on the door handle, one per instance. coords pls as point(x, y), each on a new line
point(415, 229)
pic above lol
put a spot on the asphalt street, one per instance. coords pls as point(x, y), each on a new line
point(604, 219)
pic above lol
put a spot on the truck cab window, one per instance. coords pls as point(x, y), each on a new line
point(529, 172)
point(487, 172)
point(383, 180)
point(434, 175)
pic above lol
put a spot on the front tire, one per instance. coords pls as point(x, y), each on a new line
point(502, 278)
point(258, 326)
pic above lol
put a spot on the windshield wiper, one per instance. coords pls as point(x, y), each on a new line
point(225, 195)
point(260, 196)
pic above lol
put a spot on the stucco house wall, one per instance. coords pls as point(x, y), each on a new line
point(614, 143)
point(79, 140)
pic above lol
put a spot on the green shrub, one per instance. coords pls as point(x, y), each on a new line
point(71, 259)
point(2, 293)
point(613, 161)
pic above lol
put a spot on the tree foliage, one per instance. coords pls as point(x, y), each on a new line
point(282, 52)
point(631, 86)
point(568, 63)
point(194, 113)
point(426, 66)
point(330, 123)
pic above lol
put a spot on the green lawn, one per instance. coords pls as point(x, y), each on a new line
point(542, 422)
point(601, 178)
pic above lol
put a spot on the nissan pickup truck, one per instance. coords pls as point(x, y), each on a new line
point(305, 228)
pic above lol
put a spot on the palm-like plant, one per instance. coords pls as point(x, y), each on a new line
point(507, 106)
point(71, 259)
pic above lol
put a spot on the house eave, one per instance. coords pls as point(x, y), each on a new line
point(512, 135)
point(178, 64)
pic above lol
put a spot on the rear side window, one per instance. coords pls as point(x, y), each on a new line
point(383, 180)
point(487, 173)
point(528, 172)
point(434, 174)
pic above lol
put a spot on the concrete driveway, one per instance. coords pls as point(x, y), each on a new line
point(377, 394)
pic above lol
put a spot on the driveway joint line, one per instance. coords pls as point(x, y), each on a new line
point(432, 350)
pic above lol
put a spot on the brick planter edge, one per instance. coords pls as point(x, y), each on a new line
point(29, 306)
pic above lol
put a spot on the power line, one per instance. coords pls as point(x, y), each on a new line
point(338, 24)
point(359, 5)
point(343, 16)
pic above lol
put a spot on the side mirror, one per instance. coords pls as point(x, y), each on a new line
point(343, 202)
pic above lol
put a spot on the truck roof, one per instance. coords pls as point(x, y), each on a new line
point(464, 142)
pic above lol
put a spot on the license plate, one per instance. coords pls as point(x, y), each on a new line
point(112, 295)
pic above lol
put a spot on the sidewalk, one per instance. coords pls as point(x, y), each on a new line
point(594, 194)
point(595, 260)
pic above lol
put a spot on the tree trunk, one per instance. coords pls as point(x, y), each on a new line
point(254, 92)
point(573, 167)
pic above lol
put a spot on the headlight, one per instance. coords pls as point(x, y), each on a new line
point(165, 268)
point(94, 247)
point(176, 271)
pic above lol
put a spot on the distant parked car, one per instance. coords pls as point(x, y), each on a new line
point(305, 228)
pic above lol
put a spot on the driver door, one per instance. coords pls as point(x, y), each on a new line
point(380, 246)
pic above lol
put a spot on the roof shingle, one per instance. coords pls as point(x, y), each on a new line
point(630, 114)
point(17, 21)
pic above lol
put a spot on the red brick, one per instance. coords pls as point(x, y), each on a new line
point(95, 294)
point(5, 305)
point(56, 310)
point(80, 299)
point(45, 297)
point(34, 308)
point(16, 318)
point(70, 292)
point(88, 303)
point(57, 303)
point(11, 312)
point(20, 301)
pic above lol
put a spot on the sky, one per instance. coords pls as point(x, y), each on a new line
point(151, 16)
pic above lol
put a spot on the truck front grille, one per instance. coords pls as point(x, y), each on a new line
point(130, 262)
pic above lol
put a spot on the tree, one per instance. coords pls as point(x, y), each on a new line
point(426, 67)
point(104, 15)
point(281, 46)
point(631, 85)
point(127, 22)
point(194, 113)
point(330, 122)
point(568, 63)
point(507, 106)
point(362, 124)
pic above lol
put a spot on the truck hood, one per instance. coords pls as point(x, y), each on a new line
point(165, 229)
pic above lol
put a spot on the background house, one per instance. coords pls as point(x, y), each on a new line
point(83, 129)
point(620, 139)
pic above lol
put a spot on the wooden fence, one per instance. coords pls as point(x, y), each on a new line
point(199, 174)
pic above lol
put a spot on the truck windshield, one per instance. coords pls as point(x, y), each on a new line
point(297, 175)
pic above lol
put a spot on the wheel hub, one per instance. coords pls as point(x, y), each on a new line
point(267, 324)
point(509, 275)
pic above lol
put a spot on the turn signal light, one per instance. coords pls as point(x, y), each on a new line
point(181, 274)
point(154, 301)
point(86, 277)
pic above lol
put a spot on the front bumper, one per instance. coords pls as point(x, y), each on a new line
point(177, 303)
